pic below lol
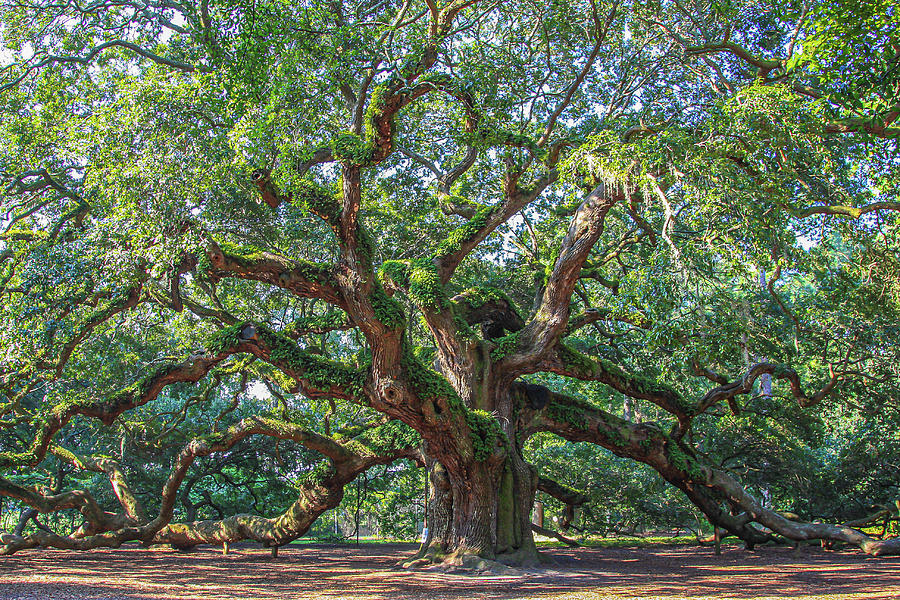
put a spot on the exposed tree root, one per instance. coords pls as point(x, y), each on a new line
point(464, 562)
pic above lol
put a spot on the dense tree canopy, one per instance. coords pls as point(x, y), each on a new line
point(252, 249)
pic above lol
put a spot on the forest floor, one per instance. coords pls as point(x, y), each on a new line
point(366, 572)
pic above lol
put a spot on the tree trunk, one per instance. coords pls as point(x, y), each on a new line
point(479, 511)
point(481, 514)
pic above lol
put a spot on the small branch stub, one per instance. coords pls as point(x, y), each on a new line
point(263, 181)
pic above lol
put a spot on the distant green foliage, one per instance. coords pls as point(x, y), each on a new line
point(329, 320)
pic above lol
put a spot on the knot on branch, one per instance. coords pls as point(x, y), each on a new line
point(217, 257)
point(390, 391)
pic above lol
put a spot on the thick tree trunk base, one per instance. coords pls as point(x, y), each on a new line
point(479, 519)
point(467, 562)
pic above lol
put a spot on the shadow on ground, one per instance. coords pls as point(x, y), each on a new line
point(367, 572)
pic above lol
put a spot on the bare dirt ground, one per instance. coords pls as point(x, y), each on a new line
point(367, 572)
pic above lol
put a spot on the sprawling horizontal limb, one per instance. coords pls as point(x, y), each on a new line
point(321, 491)
point(567, 361)
point(133, 508)
point(554, 534)
point(318, 377)
point(570, 497)
point(347, 458)
point(744, 385)
point(108, 408)
point(96, 519)
point(706, 485)
point(561, 492)
point(303, 278)
point(796, 530)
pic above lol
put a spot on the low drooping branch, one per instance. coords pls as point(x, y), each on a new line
point(708, 486)
point(883, 516)
point(570, 497)
point(29, 514)
point(322, 490)
point(347, 458)
point(107, 409)
point(134, 510)
point(554, 534)
point(561, 492)
point(96, 519)
point(578, 421)
point(797, 530)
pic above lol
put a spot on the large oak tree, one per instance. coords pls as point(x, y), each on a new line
point(448, 227)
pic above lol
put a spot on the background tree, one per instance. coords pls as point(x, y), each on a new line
point(431, 232)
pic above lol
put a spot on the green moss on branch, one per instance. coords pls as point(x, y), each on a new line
point(428, 384)
point(318, 200)
point(465, 233)
point(476, 297)
point(505, 346)
point(636, 386)
point(351, 149)
point(387, 311)
point(320, 373)
point(420, 279)
point(487, 435)
point(388, 437)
